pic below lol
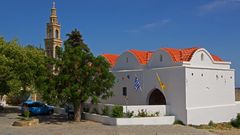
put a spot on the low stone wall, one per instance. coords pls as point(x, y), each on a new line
point(151, 109)
point(23, 123)
point(164, 120)
point(10, 109)
point(60, 111)
point(99, 107)
point(99, 118)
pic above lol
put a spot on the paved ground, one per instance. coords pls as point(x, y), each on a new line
point(57, 125)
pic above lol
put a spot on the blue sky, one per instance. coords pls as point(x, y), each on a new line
point(114, 26)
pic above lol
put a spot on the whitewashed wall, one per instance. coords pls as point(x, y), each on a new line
point(155, 61)
point(207, 61)
point(206, 95)
point(124, 64)
point(210, 95)
point(151, 109)
point(238, 106)
point(172, 78)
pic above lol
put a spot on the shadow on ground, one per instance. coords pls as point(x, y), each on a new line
point(52, 119)
point(10, 109)
point(57, 119)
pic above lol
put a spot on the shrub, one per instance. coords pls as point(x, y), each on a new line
point(26, 114)
point(105, 111)
point(129, 114)
point(117, 111)
point(179, 122)
point(157, 114)
point(211, 123)
point(236, 122)
point(95, 111)
point(142, 113)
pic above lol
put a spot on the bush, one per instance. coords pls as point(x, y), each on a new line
point(117, 111)
point(95, 111)
point(179, 122)
point(26, 114)
point(157, 114)
point(236, 122)
point(142, 113)
point(129, 114)
point(211, 123)
point(105, 111)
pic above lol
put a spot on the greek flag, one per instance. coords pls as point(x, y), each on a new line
point(137, 84)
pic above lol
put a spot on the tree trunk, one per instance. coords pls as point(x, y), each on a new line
point(77, 111)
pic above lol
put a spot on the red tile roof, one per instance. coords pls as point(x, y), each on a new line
point(142, 56)
point(216, 58)
point(179, 55)
point(111, 58)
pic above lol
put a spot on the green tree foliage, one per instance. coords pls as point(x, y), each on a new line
point(21, 68)
point(80, 75)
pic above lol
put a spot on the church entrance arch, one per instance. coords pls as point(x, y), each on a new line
point(156, 97)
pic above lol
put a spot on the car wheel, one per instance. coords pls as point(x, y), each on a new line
point(50, 112)
point(1, 108)
point(30, 114)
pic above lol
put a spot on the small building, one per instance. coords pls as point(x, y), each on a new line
point(196, 86)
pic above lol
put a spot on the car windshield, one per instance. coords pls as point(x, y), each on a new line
point(35, 104)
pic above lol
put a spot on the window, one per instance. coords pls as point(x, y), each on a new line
point(128, 76)
point(201, 74)
point(217, 76)
point(56, 34)
point(192, 74)
point(124, 91)
point(231, 77)
point(50, 33)
point(202, 57)
point(161, 58)
point(127, 60)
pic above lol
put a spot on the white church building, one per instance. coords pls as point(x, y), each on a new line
point(195, 85)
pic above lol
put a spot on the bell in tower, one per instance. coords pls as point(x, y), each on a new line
point(53, 34)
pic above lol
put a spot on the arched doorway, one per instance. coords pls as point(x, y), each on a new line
point(157, 98)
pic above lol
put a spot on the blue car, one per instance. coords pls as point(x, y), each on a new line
point(36, 108)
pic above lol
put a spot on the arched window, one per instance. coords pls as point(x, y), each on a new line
point(50, 33)
point(161, 58)
point(202, 57)
point(56, 34)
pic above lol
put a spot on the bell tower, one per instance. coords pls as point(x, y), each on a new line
point(53, 34)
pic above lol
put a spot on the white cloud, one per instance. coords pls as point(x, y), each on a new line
point(217, 5)
point(150, 26)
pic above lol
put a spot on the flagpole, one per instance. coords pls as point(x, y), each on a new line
point(126, 102)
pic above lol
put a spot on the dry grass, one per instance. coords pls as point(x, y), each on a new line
point(218, 126)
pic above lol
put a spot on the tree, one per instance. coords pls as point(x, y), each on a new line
point(8, 79)
point(81, 76)
point(22, 68)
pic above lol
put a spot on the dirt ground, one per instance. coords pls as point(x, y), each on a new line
point(59, 125)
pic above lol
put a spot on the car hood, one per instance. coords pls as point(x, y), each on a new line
point(50, 106)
